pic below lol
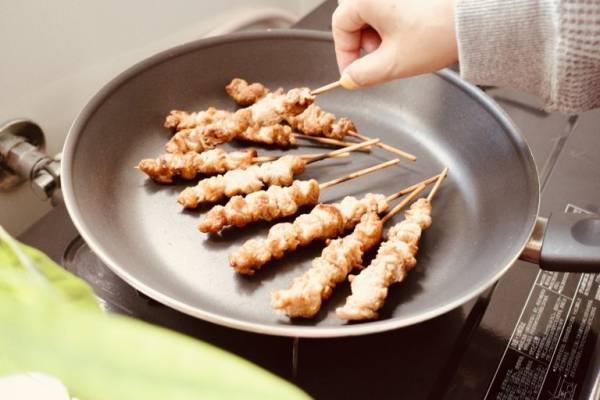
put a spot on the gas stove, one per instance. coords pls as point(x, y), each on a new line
point(534, 335)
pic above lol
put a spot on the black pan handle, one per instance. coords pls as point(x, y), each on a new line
point(565, 242)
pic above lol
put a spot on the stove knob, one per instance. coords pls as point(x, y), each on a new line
point(46, 180)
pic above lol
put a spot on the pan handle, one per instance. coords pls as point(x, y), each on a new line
point(565, 242)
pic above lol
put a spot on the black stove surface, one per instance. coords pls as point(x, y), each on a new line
point(455, 355)
point(539, 338)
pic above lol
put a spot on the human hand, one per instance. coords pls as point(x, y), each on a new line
point(402, 38)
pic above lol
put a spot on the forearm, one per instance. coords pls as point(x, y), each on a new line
point(549, 47)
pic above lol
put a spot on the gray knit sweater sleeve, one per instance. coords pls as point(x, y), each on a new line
point(548, 47)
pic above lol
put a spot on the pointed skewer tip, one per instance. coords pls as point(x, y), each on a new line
point(411, 188)
point(386, 147)
point(359, 173)
point(438, 182)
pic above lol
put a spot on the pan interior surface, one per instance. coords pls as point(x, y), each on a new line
point(482, 215)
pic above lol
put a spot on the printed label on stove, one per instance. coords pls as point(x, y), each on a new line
point(551, 346)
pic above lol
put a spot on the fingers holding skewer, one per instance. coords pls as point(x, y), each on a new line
point(345, 81)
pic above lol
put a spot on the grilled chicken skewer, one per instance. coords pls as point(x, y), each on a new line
point(394, 259)
point(188, 165)
point(216, 161)
point(325, 221)
point(314, 121)
point(274, 203)
point(260, 122)
point(205, 136)
point(245, 94)
point(204, 130)
point(244, 181)
point(307, 292)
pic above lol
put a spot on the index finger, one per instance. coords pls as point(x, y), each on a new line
point(346, 25)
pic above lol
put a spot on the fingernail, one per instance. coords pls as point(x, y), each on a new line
point(347, 82)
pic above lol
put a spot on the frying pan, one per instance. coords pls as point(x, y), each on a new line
point(484, 213)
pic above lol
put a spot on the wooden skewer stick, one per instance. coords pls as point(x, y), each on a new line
point(333, 142)
point(403, 203)
point(343, 153)
point(387, 147)
point(437, 184)
point(411, 188)
point(343, 150)
point(326, 88)
point(359, 173)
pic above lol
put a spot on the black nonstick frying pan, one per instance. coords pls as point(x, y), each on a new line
point(484, 213)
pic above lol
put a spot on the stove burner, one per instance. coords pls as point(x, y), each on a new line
point(352, 358)
point(116, 296)
point(113, 293)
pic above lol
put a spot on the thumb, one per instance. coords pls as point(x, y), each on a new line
point(373, 68)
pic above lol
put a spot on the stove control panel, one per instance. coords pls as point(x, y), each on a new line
point(550, 354)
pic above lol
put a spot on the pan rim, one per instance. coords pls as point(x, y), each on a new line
point(291, 330)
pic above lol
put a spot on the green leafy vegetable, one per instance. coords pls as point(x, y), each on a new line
point(43, 279)
point(51, 323)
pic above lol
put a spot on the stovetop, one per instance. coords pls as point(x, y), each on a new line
point(462, 354)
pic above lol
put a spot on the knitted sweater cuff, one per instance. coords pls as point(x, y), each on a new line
point(508, 43)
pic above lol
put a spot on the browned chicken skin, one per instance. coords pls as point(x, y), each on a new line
point(314, 121)
point(280, 172)
point(394, 259)
point(261, 122)
point(188, 165)
point(273, 203)
point(243, 93)
point(325, 221)
point(306, 293)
